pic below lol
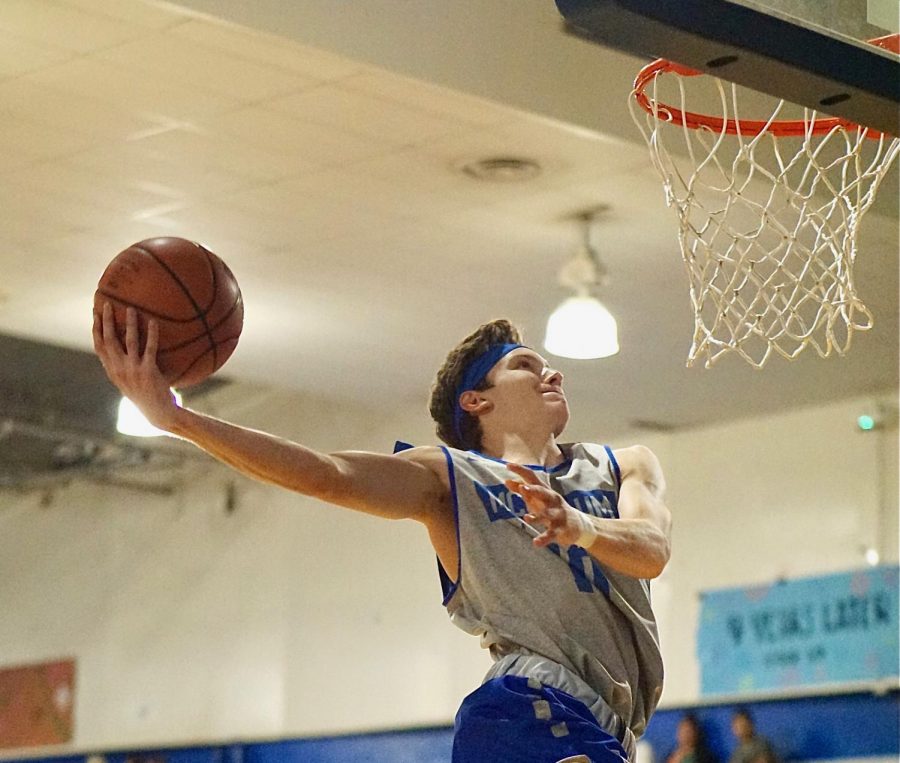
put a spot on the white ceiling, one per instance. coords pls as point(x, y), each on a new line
point(331, 186)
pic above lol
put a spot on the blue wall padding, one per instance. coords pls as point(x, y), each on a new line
point(843, 726)
point(422, 746)
point(229, 754)
point(809, 728)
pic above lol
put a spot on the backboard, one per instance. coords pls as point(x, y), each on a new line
point(810, 52)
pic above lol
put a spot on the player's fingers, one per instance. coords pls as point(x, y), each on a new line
point(523, 488)
point(536, 497)
point(544, 539)
point(152, 342)
point(111, 343)
point(97, 333)
point(131, 332)
point(524, 472)
point(535, 520)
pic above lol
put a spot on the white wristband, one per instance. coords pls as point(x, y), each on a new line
point(587, 533)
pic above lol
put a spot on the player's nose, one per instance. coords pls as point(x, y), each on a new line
point(554, 377)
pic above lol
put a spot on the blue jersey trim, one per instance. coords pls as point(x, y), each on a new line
point(615, 464)
point(449, 587)
point(536, 467)
point(618, 476)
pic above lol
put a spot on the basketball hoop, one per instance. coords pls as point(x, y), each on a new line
point(768, 213)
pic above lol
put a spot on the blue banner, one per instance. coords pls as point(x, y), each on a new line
point(834, 629)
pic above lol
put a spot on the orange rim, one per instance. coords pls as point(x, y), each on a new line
point(750, 127)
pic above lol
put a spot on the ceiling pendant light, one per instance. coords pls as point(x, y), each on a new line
point(581, 327)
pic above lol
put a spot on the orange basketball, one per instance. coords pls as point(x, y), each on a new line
point(190, 292)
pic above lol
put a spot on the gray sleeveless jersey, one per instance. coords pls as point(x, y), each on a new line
point(557, 602)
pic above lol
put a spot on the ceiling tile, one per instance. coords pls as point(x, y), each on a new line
point(62, 26)
point(145, 95)
point(149, 170)
point(172, 59)
point(364, 114)
point(576, 153)
point(97, 119)
point(432, 99)
point(432, 175)
point(18, 56)
point(336, 188)
point(148, 15)
point(307, 144)
point(206, 148)
point(276, 222)
point(246, 44)
point(22, 142)
point(28, 206)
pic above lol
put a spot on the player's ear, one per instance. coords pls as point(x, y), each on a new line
point(472, 401)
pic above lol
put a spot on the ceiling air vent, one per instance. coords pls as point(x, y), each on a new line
point(502, 169)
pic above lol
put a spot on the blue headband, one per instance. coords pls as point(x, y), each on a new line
point(475, 372)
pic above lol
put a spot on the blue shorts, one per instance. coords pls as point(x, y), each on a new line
point(513, 719)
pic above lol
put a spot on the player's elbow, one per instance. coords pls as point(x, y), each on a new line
point(658, 557)
point(654, 568)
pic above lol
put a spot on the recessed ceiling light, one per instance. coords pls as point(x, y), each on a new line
point(502, 169)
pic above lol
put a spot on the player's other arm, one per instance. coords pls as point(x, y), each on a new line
point(642, 534)
point(635, 544)
point(387, 486)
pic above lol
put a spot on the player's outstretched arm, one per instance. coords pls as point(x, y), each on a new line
point(387, 486)
point(636, 544)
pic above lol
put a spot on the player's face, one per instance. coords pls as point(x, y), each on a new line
point(524, 386)
point(686, 733)
point(741, 727)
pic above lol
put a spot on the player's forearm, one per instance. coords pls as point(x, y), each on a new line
point(258, 455)
point(634, 547)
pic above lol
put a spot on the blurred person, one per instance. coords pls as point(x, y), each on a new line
point(752, 747)
point(691, 746)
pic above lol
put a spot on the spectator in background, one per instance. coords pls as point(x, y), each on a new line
point(691, 743)
point(752, 748)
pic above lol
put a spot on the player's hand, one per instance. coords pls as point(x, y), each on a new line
point(136, 375)
point(561, 523)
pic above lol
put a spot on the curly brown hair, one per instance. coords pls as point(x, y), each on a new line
point(443, 392)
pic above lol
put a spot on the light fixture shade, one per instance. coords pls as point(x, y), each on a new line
point(131, 421)
point(582, 328)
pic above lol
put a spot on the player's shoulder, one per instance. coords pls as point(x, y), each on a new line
point(634, 451)
point(636, 458)
point(431, 457)
point(421, 453)
point(630, 453)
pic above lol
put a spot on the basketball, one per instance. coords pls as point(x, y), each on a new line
point(189, 291)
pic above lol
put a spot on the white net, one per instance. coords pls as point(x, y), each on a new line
point(768, 224)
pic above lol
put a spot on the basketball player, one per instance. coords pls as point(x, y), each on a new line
point(548, 563)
